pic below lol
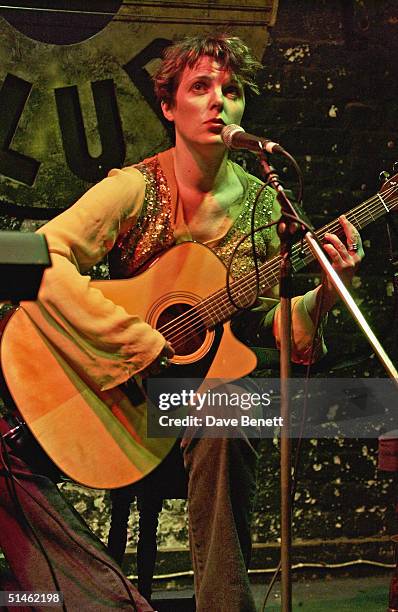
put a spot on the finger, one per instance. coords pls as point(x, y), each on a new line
point(353, 237)
point(335, 242)
point(165, 356)
point(161, 362)
point(334, 254)
point(168, 350)
point(347, 225)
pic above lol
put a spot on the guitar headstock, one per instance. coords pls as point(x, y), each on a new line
point(389, 190)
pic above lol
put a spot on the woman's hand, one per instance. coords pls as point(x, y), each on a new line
point(345, 257)
point(161, 362)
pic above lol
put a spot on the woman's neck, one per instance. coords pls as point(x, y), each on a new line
point(208, 188)
point(200, 171)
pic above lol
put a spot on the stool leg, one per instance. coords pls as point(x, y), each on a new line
point(117, 538)
point(149, 510)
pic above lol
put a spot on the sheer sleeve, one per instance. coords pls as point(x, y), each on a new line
point(97, 336)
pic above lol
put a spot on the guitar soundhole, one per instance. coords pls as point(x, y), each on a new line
point(183, 327)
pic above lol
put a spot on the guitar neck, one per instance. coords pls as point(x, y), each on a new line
point(218, 308)
point(360, 216)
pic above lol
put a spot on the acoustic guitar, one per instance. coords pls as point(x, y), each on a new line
point(99, 438)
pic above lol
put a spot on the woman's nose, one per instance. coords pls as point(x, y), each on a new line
point(217, 98)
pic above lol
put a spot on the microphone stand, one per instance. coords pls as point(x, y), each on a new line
point(287, 228)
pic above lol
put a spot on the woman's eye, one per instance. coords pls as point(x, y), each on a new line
point(233, 92)
point(199, 86)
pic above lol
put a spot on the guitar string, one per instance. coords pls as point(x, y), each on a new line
point(196, 314)
point(220, 292)
point(329, 228)
point(198, 311)
point(199, 317)
point(359, 217)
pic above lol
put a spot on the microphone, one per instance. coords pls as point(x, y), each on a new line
point(235, 137)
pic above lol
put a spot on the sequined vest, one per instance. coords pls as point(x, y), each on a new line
point(154, 230)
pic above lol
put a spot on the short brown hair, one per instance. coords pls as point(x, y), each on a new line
point(229, 51)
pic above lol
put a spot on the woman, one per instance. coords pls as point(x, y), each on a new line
point(191, 192)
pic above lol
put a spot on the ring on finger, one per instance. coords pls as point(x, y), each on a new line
point(164, 362)
point(354, 246)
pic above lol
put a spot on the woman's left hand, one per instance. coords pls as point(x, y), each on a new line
point(345, 257)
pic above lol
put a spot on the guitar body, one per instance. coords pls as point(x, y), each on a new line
point(99, 438)
point(181, 278)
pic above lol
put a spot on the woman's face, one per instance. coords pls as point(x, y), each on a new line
point(207, 98)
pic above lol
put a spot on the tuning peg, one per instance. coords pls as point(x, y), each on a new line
point(384, 176)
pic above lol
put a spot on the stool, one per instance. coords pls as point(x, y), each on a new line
point(167, 481)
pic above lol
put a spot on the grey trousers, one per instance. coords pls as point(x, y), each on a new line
point(68, 553)
point(221, 492)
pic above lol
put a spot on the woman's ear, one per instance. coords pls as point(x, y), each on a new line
point(167, 110)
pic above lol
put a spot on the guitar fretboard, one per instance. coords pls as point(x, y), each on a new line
point(219, 308)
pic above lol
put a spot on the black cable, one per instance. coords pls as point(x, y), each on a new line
point(245, 237)
point(229, 279)
point(304, 222)
point(297, 168)
point(253, 231)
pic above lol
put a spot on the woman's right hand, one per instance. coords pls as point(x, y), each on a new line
point(161, 362)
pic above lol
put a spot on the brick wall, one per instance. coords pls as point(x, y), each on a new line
point(328, 95)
